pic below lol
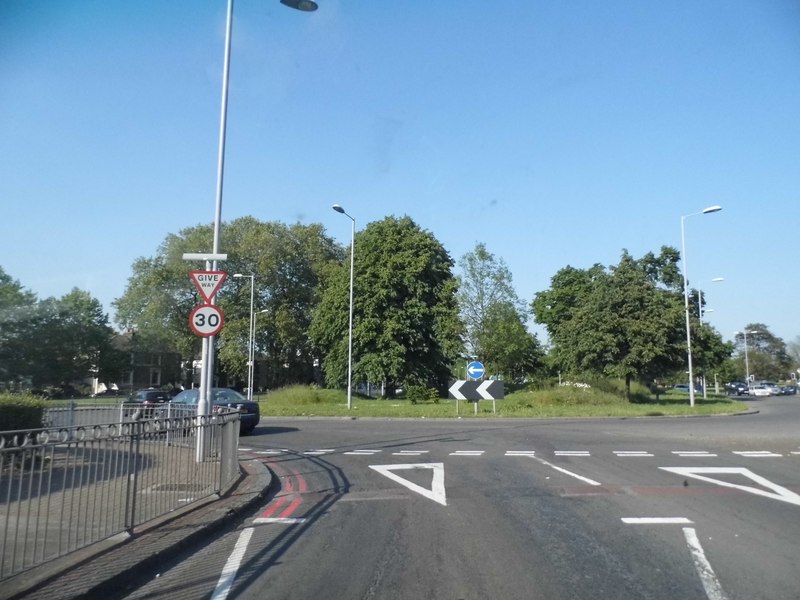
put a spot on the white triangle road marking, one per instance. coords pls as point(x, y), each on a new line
point(436, 493)
point(778, 492)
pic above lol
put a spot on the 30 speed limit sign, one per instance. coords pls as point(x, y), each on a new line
point(206, 320)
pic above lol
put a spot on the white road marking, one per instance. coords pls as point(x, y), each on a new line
point(280, 520)
point(694, 453)
point(410, 452)
point(436, 493)
point(656, 521)
point(467, 453)
point(570, 473)
point(707, 576)
point(520, 452)
point(272, 451)
point(758, 454)
point(631, 453)
point(778, 492)
point(572, 453)
point(363, 452)
point(232, 565)
point(318, 452)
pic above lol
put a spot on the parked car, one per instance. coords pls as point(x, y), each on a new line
point(684, 387)
point(759, 391)
point(772, 387)
point(788, 390)
point(736, 388)
point(250, 412)
point(149, 398)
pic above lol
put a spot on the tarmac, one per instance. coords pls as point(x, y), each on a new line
point(105, 569)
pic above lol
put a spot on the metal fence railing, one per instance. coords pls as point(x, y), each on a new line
point(87, 477)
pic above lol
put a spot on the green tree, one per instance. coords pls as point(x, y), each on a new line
point(622, 322)
point(17, 320)
point(767, 354)
point(290, 265)
point(406, 325)
point(494, 317)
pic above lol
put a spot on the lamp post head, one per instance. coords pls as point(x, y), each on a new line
point(711, 209)
point(238, 275)
point(304, 5)
point(338, 209)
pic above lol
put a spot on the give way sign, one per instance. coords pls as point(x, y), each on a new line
point(208, 282)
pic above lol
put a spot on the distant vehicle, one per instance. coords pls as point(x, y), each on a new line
point(250, 412)
point(107, 393)
point(736, 388)
point(684, 387)
point(788, 390)
point(150, 396)
point(760, 391)
point(773, 388)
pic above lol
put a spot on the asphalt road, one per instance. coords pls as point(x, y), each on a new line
point(705, 508)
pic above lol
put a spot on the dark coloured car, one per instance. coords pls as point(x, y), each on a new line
point(788, 390)
point(250, 412)
point(151, 396)
point(736, 388)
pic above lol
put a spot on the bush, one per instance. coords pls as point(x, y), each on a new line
point(20, 411)
point(417, 394)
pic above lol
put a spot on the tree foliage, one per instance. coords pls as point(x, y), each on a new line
point(53, 341)
point(406, 328)
point(494, 317)
point(768, 357)
point(290, 265)
point(625, 321)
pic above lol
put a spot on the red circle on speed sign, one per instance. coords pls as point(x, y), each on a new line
point(206, 320)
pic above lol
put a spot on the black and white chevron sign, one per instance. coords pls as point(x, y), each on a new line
point(477, 390)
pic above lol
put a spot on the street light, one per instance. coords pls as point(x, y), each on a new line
point(339, 209)
point(251, 331)
point(746, 361)
point(207, 369)
point(700, 311)
point(705, 211)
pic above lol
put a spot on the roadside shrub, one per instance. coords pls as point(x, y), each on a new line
point(417, 394)
point(20, 411)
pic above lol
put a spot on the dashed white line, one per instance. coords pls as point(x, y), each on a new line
point(318, 452)
point(467, 453)
point(758, 454)
point(693, 453)
point(366, 452)
point(656, 521)
point(572, 453)
point(631, 453)
point(520, 452)
point(410, 452)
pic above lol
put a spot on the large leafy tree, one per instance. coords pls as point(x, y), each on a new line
point(289, 264)
point(625, 321)
point(406, 324)
point(767, 354)
point(17, 320)
point(494, 317)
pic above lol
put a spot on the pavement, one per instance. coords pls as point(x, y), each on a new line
point(109, 567)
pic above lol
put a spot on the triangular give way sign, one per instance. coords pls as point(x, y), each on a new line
point(208, 282)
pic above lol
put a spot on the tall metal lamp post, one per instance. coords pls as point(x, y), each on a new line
point(250, 338)
point(705, 211)
point(746, 360)
point(339, 209)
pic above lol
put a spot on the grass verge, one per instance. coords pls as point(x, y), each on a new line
point(304, 401)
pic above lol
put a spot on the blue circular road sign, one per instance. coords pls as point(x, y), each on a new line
point(475, 369)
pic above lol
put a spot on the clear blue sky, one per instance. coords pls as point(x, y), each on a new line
point(557, 133)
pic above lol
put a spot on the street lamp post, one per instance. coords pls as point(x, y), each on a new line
point(746, 360)
point(250, 339)
point(339, 209)
point(705, 211)
point(207, 369)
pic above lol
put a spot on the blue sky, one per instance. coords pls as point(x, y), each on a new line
point(557, 133)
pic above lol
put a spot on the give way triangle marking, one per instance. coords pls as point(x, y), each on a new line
point(778, 492)
point(436, 493)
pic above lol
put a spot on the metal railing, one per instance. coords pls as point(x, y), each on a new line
point(87, 477)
